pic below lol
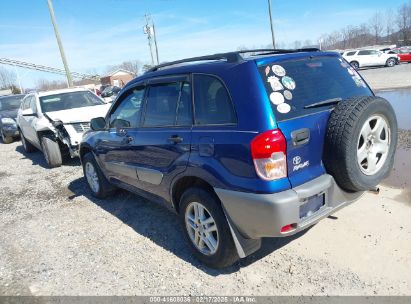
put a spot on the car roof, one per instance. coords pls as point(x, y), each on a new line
point(60, 91)
point(217, 63)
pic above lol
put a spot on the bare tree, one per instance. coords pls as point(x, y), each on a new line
point(46, 85)
point(133, 66)
point(7, 78)
point(297, 44)
point(377, 26)
point(404, 21)
point(389, 23)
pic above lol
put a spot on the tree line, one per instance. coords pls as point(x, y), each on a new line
point(384, 27)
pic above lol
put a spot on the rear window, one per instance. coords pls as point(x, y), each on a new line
point(293, 84)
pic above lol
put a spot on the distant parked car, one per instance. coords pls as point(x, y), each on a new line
point(368, 58)
point(404, 55)
point(9, 106)
point(110, 93)
point(54, 121)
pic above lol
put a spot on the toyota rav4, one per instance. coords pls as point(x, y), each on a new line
point(244, 145)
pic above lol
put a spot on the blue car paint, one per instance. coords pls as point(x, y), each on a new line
point(219, 155)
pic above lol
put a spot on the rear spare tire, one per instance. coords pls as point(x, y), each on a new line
point(360, 142)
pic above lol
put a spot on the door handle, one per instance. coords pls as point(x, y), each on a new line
point(300, 137)
point(175, 139)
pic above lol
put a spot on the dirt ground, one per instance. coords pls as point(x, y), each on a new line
point(55, 239)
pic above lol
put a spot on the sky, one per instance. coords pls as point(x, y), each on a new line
point(99, 33)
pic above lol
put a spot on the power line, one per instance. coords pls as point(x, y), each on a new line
point(43, 68)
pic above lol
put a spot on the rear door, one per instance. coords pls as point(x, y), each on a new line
point(295, 86)
point(162, 144)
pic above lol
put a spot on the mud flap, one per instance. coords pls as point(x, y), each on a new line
point(244, 246)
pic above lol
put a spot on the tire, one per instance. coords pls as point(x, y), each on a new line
point(391, 62)
point(104, 188)
point(28, 147)
point(6, 139)
point(355, 65)
point(51, 152)
point(223, 253)
point(360, 142)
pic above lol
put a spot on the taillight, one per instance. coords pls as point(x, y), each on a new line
point(268, 151)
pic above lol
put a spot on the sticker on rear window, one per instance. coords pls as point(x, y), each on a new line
point(283, 108)
point(288, 95)
point(276, 98)
point(275, 83)
point(359, 82)
point(278, 70)
point(288, 82)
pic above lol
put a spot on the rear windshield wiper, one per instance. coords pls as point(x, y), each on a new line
point(323, 103)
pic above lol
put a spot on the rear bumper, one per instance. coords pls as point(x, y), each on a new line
point(263, 215)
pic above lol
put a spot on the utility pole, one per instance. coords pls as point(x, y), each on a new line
point(155, 43)
point(149, 30)
point(60, 44)
point(271, 23)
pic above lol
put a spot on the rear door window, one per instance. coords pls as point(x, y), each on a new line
point(212, 102)
point(168, 104)
point(294, 84)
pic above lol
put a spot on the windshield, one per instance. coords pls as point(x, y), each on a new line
point(65, 101)
point(10, 102)
point(107, 89)
point(294, 84)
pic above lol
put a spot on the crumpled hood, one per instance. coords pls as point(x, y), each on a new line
point(84, 114)
point(9, 113)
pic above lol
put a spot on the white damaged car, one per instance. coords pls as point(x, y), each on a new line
point(55, 121)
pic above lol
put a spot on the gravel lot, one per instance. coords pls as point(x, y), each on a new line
point(56, 239)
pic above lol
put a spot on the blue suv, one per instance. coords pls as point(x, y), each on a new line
point(243, 145)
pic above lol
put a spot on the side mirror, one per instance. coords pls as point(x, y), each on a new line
point(28, 112)
point(98, 124)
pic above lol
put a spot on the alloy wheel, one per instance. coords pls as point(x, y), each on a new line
point(202, 228)
point(373, 144)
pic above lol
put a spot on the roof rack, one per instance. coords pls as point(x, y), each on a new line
point(232, 57)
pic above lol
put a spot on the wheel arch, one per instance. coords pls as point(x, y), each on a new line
point(183, 183)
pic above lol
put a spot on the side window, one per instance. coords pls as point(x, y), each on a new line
point(212, 102)
point(32, 104)
point(350, 53)
point(184, 111)
point(362, 53)
point(26, 102)
point(168, 104)
point(127, 114)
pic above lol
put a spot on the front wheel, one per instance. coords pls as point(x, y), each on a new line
point(98, 184)
point(51, 152)
point(6, 139)
point(206, 228)
point(355, 65)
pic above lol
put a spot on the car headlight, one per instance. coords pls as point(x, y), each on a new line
point(8, 121)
